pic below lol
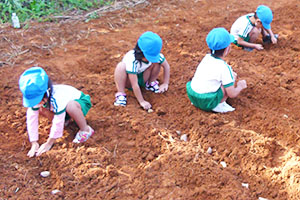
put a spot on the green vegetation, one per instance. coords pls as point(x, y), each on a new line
point(42, 9)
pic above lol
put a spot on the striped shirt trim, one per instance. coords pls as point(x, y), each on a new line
point(228, 85)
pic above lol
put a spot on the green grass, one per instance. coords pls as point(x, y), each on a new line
point(43, 9)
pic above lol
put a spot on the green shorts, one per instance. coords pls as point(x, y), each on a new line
point(85, 103)
point(141, 81)
point(245, 39)
point(206, 101)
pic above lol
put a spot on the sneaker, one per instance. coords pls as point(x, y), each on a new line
point(223, 108)
point(267, 39)
point(229, 107)
point(153, 86)
point(82, 136)
point(121, 99)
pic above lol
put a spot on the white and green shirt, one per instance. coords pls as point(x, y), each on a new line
point(242, 27)
point(134, 66)
point(211, 73)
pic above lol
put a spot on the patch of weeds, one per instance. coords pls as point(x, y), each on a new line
point(39, 9)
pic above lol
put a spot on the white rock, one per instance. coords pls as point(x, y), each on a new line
point(209, 150)
point(55, 191)
point(285, 116)
point(178, 132)
point(150, 110)
point(184, 137)
point(45, 174)
point(261, 198)
point(223, 164)
point(246, 185)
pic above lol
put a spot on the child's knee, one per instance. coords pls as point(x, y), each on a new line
point(73, 106)
point(121, 66)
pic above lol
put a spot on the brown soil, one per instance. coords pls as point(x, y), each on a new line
point(139, 155)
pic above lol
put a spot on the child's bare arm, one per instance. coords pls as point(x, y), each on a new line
point(242, 42)
point(137, 91)
point(164, 86)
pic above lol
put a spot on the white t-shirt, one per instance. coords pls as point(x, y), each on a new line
point(242, 26)
point(133, 66)
point(61, 96)
point(211, 73)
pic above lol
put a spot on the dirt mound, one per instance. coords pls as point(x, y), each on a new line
point(139, 155)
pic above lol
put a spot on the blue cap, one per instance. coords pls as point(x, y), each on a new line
point(264, 13)
point(219, 38)
point(150, 43)
point(33, 84)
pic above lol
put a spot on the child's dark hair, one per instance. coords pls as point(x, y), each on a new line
point(217, 53)
point(48, 94)
point(255, 16)
point(138, 54)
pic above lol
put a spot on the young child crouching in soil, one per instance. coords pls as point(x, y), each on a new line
point(140, 67)
point(56, 102)
point(214, 79)
point(246, 29)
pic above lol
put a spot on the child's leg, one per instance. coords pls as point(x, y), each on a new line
point(152, 72)
point(121, 78)
point(75, 112)
point(225, 97)
point(254, 34)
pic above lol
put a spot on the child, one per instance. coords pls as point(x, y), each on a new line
point(40, 96)
point(140, 68)
point(214, 79)
point(246, 29)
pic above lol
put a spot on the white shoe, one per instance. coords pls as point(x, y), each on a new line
point(230, 108)
point(223, 108)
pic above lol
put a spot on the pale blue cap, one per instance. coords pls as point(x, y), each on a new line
point(219, 38)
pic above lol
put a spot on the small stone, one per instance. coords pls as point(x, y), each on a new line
point(246, 185)
point(55, 191)
point(261, 198)
point(45, 174)
point(184, 137)
point(285, 116)
point(178, 132)
point(209, 150)
point(223, 164)
point(150, 110)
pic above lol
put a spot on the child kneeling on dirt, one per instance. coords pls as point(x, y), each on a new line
point(214, 79)
point(140, 67)
point(58, 102)
point(246, 29)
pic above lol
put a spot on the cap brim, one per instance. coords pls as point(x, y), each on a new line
point(32, 102)
point(153, 59)
point(266, 26)
point(232, 38)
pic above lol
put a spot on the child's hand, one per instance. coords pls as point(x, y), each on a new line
point(146, 105)
point(242, 84)
point(33, 150)
point(163, 88)
point(274, 39)
point(45, 147)
point(258, 47)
